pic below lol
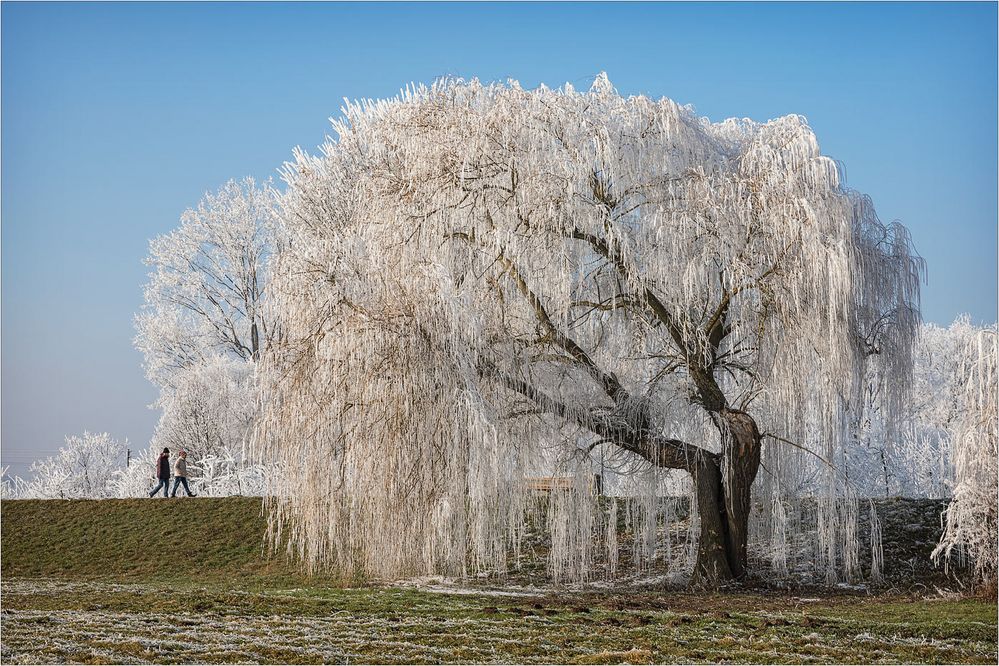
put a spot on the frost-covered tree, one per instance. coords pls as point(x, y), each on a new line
point(208, 409)
point(205, 322)
point(205, 296)
point(485, 279)
point(972, 522)
point(909, 451)
point(82, 468)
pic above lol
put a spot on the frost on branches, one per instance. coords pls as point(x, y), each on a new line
point(486, 284)
point(221, 474)
point(909, 452)
point(208, 409)
point(205, 294)
point(971, 517)
point(84, 467)
point(205, 323)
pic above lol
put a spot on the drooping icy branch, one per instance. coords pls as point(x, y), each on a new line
point(484, 282)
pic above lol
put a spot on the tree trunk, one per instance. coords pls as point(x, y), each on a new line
point(723, 492)
point(713, 566)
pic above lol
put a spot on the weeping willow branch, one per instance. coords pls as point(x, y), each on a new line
point(613, 267)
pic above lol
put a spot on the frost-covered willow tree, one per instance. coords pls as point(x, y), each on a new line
point(909, 451)
point(484, 279)
point(972, 518)
point(205, 322)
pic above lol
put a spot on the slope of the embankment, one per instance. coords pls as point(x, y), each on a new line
point(146, 539)
point(205, 539)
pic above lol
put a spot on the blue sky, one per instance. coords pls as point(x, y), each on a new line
point(117, 117)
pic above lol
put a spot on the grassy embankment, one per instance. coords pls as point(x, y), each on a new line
point(140, 540)
point(187, 581)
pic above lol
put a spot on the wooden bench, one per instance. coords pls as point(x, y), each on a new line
point(546, 484)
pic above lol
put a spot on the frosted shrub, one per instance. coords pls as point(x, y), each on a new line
point(224, 473)
point(83, 468)
point(11, 487)
point(138, 477)
point(228, 474)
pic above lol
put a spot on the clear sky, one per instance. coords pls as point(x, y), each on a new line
point(117, 117)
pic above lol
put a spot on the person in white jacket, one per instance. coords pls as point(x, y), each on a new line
point(180, 475)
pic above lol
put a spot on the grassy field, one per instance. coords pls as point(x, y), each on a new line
point(186, 581)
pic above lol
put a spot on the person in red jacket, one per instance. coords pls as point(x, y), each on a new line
point(162, 473)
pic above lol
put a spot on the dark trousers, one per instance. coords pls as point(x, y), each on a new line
point(164, 484)
point(176, 482)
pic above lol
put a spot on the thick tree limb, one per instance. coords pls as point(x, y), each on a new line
point(660, 451)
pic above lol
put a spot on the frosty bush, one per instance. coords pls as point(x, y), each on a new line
point(228, 473)
point(83, 467)
point(223, 473)
point(136, 479)
point(11, 487)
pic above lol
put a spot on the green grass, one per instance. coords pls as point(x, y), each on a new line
point(187, 581)
point(94, 622)
point(140, 540)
